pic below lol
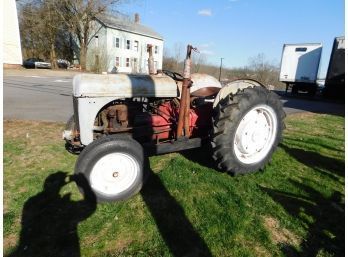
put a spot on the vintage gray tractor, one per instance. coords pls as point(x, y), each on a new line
point(120, 119)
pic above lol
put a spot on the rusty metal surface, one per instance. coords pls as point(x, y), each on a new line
point(187, 69)
point(183, 121)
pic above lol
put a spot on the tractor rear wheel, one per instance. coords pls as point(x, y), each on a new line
point(247, 129)
point(113, 166)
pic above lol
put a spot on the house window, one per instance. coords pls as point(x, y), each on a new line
point(128, 44)
point(127, 62)
point(156, 49)
point(136, 46)
point(135, 65)
point(117, 43)
point(118, 62)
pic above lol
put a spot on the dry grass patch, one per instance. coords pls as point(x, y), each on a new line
point(10, 241)
point(33, 131)
point(278, 234)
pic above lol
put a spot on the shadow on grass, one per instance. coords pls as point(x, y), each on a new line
point(313, 141)
point(326, 232)
point(49, 220)
point(202, 156)
point(175, 228)
point(313, 159)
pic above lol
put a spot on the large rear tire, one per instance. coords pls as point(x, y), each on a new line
point(247, 129)
point(113, 166)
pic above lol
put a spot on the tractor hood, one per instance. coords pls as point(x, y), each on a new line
point(124, 85)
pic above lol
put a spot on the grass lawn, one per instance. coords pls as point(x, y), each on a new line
point(295, 207)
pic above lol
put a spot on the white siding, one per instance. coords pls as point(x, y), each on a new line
point(11, 44)
point(97, 47)
point(140, 54)
point(107, 51)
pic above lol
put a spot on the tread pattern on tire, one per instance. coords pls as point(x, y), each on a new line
point(226, 118)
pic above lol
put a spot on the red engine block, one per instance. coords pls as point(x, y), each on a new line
point(164, 122)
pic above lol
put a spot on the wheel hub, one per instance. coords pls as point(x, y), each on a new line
point(255, 134)
point(114, 173)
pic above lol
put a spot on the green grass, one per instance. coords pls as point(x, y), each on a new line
point(295, 207)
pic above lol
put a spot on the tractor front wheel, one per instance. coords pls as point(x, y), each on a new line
point(113, 166)
point(247, 129)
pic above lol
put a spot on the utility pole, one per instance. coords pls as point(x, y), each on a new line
point(220, 68)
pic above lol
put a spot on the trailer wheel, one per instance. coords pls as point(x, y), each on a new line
point(294, 90)
point(113, 166)
point(312, 91)
point(247, 129)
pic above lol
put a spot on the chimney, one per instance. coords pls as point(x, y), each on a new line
point(137, 18)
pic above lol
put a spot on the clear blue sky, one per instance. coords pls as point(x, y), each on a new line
point(240, 29)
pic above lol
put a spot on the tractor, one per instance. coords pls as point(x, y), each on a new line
point(121, 119)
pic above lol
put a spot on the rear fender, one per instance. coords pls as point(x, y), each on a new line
point(233, 87)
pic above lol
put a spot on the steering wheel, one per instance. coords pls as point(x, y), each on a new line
point(173, 75)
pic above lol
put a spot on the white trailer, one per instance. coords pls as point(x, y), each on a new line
point(299, 67)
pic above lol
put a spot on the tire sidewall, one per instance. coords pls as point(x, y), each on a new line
point(228, 115)
point(104, 146)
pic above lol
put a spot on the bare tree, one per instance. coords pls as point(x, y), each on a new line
point(259, 67)
point(198, 60)
point(169, 63)
point(52, 23)
point(34, 43)
point(263, 70)
point(79, 17)
point(39, 27)
point(179, 50)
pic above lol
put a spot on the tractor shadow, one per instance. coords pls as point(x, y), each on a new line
point(175, 228)
point(316, 160)
point(325, 232)
point(50, 220)
point(202, 156)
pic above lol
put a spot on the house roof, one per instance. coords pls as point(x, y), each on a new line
point(126, 24)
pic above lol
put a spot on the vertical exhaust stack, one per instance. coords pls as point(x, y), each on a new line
point(151, 62)
point(184, 112)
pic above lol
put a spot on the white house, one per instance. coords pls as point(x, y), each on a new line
point(11, 44)
point(120, 44)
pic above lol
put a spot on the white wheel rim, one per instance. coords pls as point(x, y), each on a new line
point(255, 134)
point(114, 173)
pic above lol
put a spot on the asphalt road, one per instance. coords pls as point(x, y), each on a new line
point(48, 98)
point(37, 97)
point(303, 104)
